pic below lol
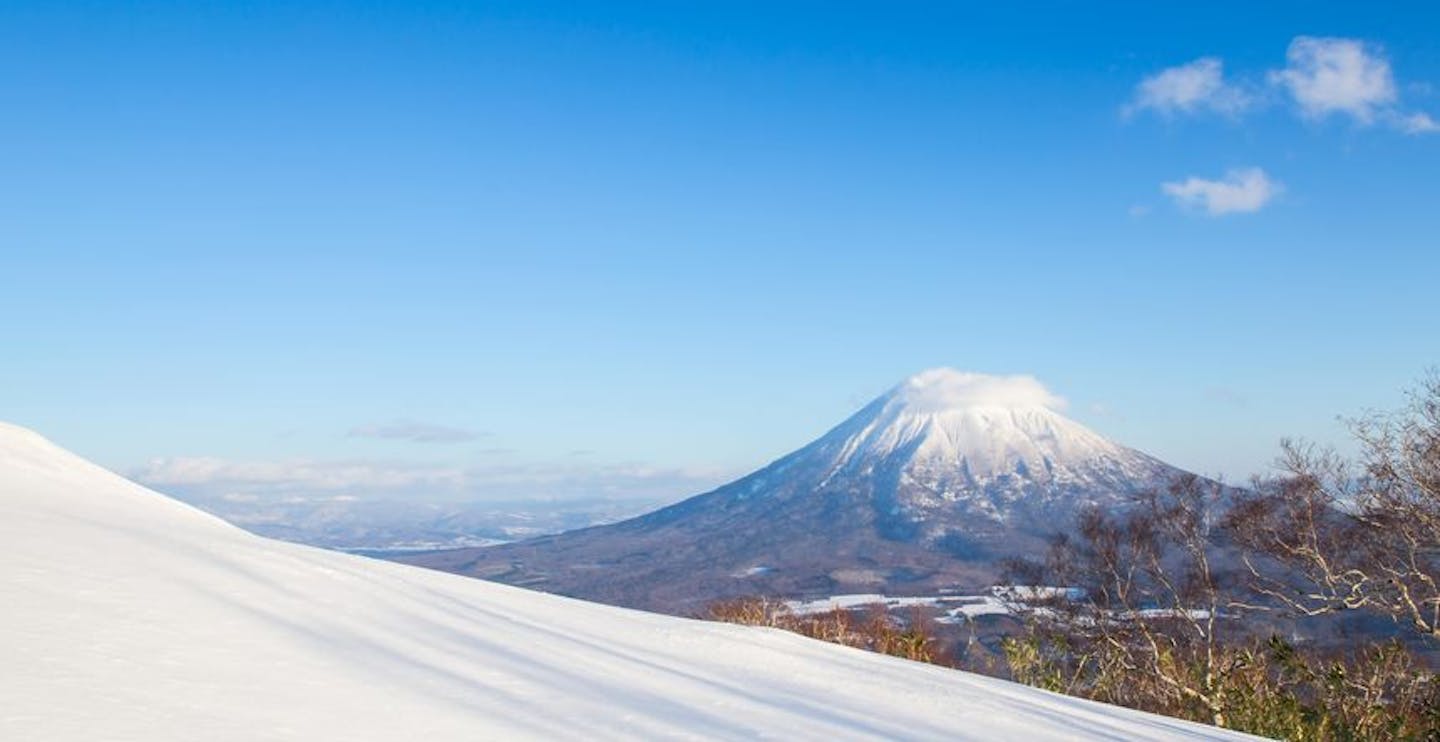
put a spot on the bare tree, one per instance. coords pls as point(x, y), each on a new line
point(1328, 536)
point(1166, 614)
point(1143, 616)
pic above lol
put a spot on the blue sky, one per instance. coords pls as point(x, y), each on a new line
point(644, 247)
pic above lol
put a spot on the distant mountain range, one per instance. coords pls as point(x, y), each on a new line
point(381, 526)
point(927, 487)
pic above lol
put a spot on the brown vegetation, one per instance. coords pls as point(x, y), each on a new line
point(1268, 687)
point(876, 632)
point(1159, 627)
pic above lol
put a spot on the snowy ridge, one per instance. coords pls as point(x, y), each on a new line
point(132, 617)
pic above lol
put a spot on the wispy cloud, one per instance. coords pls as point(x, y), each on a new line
point(1240, 191)
point(1418, 123)
point(1226, 396)
point(296, 475)
point(209, 478)
point(1189, 88)
point(415, 432)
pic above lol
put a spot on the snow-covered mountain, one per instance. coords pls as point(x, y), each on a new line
point(945, 443)
point(130, 616)
point(928, 486)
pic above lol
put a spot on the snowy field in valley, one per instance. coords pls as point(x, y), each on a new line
point(130, 616)
point(1000, 600)
point(953, 608)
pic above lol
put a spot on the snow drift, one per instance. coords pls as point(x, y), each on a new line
point(129, 616)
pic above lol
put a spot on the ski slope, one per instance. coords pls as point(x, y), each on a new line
point(125, 615)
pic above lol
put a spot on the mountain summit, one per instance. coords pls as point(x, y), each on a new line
point(990, 426)
point(992, 446)
point(928, 486)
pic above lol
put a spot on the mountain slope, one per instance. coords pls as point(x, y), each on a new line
point(928, 486)
point(129, 616)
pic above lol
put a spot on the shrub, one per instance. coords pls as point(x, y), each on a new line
point(877, 632)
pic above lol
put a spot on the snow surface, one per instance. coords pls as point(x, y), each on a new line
point(955, 605)
point(1000, 601)
point(130, 616)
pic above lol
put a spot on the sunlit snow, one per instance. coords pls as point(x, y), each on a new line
point(129, 616)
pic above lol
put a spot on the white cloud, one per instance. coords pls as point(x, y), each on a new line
point(1240, 191)
point(1418, 123)
point(304, 480)
point(1331, 75)
point(1324, 76)
point(1189, 88)
point(415, 432)
point(257, 477)
point(945, 388)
